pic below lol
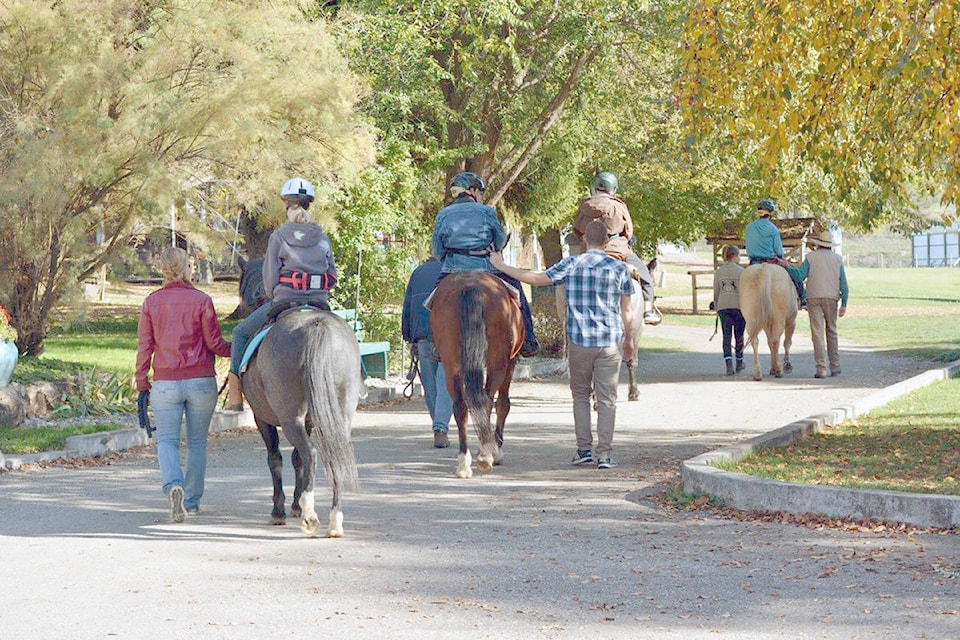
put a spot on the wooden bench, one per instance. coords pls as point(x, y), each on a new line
point(373, 355)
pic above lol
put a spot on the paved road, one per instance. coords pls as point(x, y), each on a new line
point(538, 549)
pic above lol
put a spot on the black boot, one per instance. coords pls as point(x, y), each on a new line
point(729, 362)
point(739, 365)
point(531, 347)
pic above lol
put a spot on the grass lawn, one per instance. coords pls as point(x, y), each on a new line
point(912, 444)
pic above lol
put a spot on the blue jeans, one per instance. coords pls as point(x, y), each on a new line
point(434, 387)
point(171, 399)
point(243, 333)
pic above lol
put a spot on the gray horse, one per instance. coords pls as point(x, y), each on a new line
point(306, 379)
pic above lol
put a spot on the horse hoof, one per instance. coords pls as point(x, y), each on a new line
point(278, 522)
point(758, 378)
point(787, 367)
point(336, 524)
point(310, 526)
point(633, 395)
point(464, 473)
point(484, 466)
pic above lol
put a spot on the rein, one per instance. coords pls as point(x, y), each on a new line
point(412, 374)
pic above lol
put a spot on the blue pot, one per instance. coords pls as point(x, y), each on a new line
point(8, 360)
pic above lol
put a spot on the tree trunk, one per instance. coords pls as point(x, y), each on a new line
point(255, 237)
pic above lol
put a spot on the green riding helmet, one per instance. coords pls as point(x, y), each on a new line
point(604, 181)
point(468, 180)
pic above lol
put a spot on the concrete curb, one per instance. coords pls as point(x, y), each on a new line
point(104, 442)
point(740, 491)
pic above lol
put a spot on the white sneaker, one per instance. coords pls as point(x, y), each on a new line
point(177, 512)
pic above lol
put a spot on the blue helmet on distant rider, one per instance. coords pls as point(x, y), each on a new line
point(765, 207)
point(464, 181)
point(604, 181)
point(298, 188)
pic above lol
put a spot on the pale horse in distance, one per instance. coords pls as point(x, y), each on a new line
point(768, 301)
point(636, 303)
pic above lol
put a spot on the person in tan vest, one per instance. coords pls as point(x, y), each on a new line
point(826, 287)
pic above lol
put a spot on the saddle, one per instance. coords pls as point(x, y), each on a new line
point(276, 311)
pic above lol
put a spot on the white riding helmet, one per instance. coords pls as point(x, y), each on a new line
point(298, 187)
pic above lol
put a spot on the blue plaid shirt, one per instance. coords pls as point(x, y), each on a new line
point(594, 282)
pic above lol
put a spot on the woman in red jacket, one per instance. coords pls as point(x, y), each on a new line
point(179, 334)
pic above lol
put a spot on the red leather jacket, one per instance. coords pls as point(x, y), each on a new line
point(179, 332)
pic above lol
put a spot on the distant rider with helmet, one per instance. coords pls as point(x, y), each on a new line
point(603, 205)
point(298, 266)
point(466, 232)
point(763, 241)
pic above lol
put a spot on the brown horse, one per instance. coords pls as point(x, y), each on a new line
point(768, 301)
point(478, 330)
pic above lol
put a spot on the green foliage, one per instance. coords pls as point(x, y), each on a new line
point(838, 102)
point(116, 112)
point(95, 393)
point(692, 501)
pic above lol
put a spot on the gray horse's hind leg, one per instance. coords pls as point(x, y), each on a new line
point(633, 373)
point(278, 516)
point(297, 434)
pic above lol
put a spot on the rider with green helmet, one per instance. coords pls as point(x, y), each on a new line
point(603, 205)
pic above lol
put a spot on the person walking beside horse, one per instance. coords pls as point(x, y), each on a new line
point(826, 286)
point(298, 266)
point(726, 301)
point(178, 334)
point(599, 318)
point(415, 328)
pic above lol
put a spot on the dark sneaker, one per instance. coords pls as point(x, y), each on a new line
point(193, 511)
point(583, 456)
point(729, 367)
point(607, 463)
point(177, 512)
point(819, 374)
point(835, 373)
point(739, 365)
point(530, 348)
point(440, 440)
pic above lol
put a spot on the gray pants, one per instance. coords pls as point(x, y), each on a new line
point(646, 280)
point(822, 313)
point(597, 370)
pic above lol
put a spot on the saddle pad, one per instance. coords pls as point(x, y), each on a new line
point(252, 347)
point(428, 303)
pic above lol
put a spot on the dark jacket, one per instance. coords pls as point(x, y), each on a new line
point(415, 321)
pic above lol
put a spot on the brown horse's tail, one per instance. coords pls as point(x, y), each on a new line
point(473, 359)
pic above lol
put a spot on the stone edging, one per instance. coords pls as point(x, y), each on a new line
point(750, 493)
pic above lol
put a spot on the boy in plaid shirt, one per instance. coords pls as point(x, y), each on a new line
point(599, 318)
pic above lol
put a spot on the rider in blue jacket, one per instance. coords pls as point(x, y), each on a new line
point(764, 244)
point(466, 232)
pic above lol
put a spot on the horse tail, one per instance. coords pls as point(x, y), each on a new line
point(473, 356)
point(765, 290)
point(331, 403)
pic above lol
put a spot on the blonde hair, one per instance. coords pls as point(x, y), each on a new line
point(297, 209)
point(174, 265)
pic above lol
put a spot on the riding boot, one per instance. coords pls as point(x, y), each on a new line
point(234, 393)
point(650, 314)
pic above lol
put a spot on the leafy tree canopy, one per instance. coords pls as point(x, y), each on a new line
point(113, 110)
point(840, 102)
